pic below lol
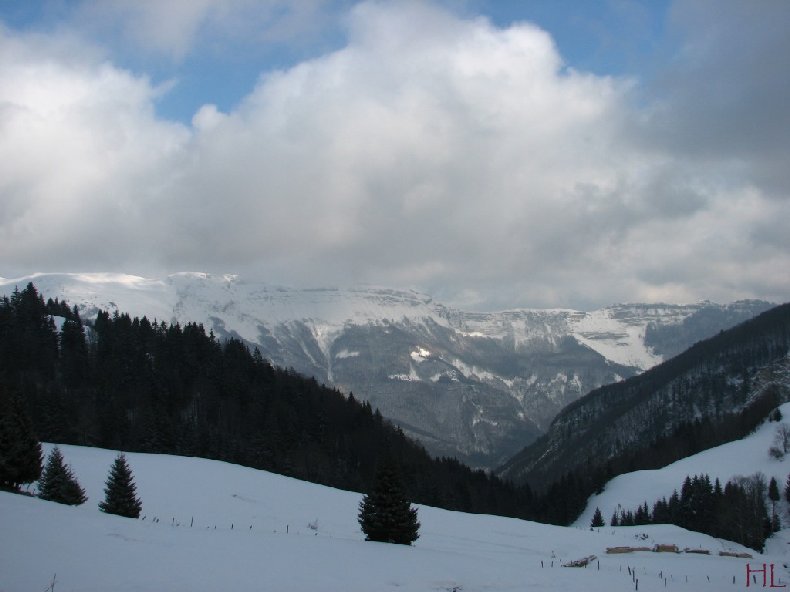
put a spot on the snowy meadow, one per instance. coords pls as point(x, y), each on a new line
point(209, 525)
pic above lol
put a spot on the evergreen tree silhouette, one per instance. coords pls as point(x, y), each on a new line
point(597, 519)
point(20, 451)
point(58, 483)
point(120, 492)
point(385, 514)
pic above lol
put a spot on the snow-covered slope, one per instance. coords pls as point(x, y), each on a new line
point(478, 386)
point(242, 306)
point(214, 526)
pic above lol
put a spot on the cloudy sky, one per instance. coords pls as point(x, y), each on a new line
point(493, 154)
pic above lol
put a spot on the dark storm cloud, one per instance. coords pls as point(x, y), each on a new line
point(725, 95)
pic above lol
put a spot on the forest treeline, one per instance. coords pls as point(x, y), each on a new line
point(736, 512)
point(138, 385)
point(566, 498)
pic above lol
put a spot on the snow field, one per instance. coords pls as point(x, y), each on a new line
point(91, 551)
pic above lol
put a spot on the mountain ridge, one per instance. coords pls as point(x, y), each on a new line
point(720, 386)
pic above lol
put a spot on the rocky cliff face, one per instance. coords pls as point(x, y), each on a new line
point(476, 386)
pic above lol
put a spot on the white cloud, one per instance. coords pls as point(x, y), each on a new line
point(207, 117)
point(80, 153)
point(431, 151)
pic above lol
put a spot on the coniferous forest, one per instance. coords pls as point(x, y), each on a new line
point(736, 512)
point(145, 386)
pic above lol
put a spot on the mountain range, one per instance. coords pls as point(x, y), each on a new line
point(477, 386)
point(715, 392)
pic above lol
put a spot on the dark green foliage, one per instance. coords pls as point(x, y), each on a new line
point(626, 518)
point(73, 352)
point(120, 493)
point(385, 514)
point(20, 451)
point(58, 484)
point(597, 519)
point(28, 340)
point(660, 513)
point(736, 513)
point(642, 515)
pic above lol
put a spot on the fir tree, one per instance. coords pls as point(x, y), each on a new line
point(597, 519)
point(120, 492)
point(661, 513)
point(58, 483)
point(642, 515)
point(385, 514)
point(20, 451)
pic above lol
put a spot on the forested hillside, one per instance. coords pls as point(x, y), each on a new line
point(715, 392)
point(136, 385)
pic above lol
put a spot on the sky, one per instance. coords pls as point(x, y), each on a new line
point(493, 154)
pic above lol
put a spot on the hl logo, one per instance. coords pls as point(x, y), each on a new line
point(766, 570)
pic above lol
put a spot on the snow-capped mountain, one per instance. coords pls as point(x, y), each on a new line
point(478, 386)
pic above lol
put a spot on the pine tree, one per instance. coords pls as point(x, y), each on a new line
point(385, 514)
point(20, 451)
point(615, 521)
point(597, 519)
point(58, 483)
point(642, 515)
point(626, 518)
point(661, 514)
point(120, 492)
point(787, 489)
